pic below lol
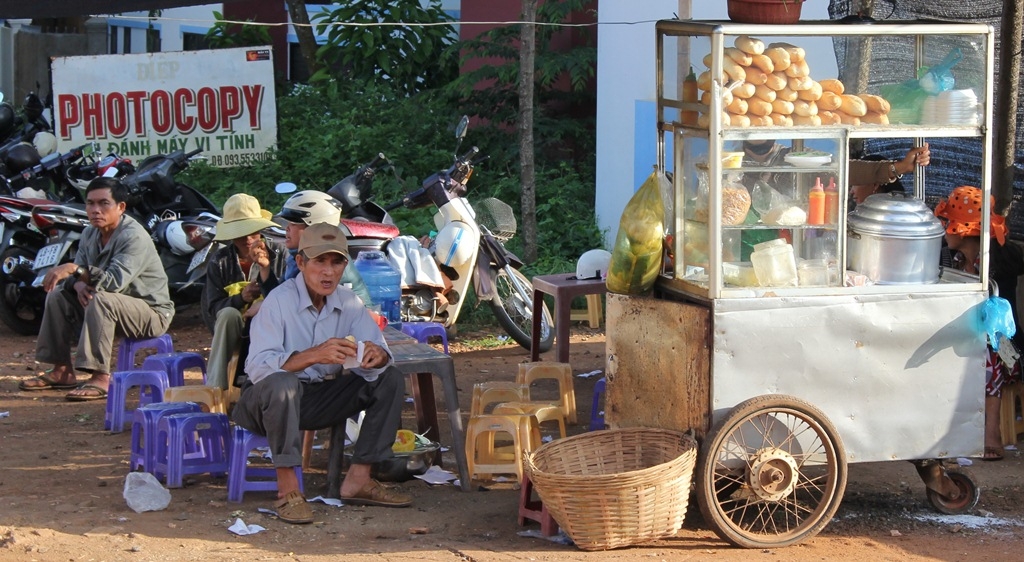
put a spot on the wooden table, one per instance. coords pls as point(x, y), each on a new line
point(564, 288)
point(420, 362)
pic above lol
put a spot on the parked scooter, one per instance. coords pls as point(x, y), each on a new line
point(469, 248)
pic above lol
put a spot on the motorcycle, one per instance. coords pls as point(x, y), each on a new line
point(469, 248)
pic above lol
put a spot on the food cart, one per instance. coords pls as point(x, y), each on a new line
point(864, 353)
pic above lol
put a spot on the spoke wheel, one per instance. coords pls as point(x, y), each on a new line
point(964, 502)
point(772, 473)
point(513, 307)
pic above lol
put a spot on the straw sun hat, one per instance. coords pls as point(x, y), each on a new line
point(242, 217)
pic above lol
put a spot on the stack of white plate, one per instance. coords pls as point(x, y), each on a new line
point(953, 107)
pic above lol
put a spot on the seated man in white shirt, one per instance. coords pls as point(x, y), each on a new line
point(297, 380)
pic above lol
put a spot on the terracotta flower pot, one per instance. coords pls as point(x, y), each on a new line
point(765, 11)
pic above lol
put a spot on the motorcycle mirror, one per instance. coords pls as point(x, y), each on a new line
point(286, 187)
point(460, 129)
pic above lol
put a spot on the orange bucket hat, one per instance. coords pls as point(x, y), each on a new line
point(963, 212)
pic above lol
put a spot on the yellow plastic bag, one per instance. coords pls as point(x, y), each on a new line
point(636, 257)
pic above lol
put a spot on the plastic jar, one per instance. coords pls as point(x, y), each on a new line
point(774, 264)
point(384, 283)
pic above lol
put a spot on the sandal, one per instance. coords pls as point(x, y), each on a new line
point(47, 383)
point(373, 493)
point(93, 393)
point(992, 454)
point(293, 508)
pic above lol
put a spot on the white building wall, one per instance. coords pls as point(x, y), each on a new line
point(626, 133)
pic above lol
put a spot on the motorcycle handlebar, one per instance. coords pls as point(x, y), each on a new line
point(193, 153)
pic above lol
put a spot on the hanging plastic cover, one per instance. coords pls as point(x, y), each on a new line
point(636, 257)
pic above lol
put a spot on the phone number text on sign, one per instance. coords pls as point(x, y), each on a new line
point(238, 159)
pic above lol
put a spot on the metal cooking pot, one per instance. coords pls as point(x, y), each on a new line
point(894, 239)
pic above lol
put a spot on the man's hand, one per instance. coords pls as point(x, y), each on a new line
point(260, 255)
point(57, 274)
point(919, 156)
point(334, 351)
point(374, 356)
point(85, 293)
point(251, 292)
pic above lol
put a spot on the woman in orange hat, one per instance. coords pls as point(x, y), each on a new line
point(961, 215)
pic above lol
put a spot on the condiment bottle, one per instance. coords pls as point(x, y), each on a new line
point(690, 96)
point(816, 204)
point(831, 202)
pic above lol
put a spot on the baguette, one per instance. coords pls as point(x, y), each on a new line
point(798, 70)
point(750, 45)
point(782, 120)
point(847, 119)
point(765, 93)
point(734, 70)
point(788, 94)
point(760, 120)
point(852, 105)
point(829, 117)
point(705, 98)
point(804, 108)
point(776, 81)
point(760, 107)
point(704, 81)
point(799, 83)
point(874, 103)
point(830, 101)
point(739, 106)
point(811, 94)
point(739, 120)
point(738, 56)
point(763, 62)
point(875, 118)
point(782, 107)
point(779, 57)
point(756, 76)
point(813, 120)
point(796, 54)
point(744, 90)
point(832, 85)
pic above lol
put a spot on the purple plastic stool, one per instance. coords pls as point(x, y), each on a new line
point(145, 421)
point(239, 473)
point(596, 416)
point(192, 443)
point(130, 346)
point(422, 331)
point(152, 385)
point(175, 364)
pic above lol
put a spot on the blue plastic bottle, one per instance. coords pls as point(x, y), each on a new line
point(384, 283)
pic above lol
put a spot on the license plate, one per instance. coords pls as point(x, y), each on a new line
point(48, 256)
point(199, 257)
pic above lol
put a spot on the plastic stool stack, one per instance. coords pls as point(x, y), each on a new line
point(481, 431)
point(152, 385)
point(191, 443)
point(210, 398)
point(243, 478)
point(422, 332)
point(130, 347)
point(145, 421)
point(174, 364)
point(561, 372)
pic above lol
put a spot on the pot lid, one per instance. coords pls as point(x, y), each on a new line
point(895, 215)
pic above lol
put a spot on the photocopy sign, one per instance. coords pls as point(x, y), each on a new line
point(221, 101)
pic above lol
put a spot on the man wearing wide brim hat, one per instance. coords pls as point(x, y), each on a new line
point(238, 276)
point(317, 358)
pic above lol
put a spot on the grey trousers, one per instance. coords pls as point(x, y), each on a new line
point(281, 407)
point(64, 321)
point(227, 339)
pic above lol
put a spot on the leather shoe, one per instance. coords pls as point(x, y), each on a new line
point(292, 508)
point(373, 493)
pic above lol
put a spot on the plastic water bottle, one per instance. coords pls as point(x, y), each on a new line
point(384, 282)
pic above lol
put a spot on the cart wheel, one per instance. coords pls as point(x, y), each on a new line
point(772, 473)
point(969, 494)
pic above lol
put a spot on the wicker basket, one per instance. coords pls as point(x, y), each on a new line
point(616, 487)
point(765, 11)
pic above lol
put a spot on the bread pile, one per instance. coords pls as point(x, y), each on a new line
point(771, 85)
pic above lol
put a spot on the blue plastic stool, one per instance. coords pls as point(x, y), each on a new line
point(239, 473)
point(175, 364)
point(422, 331)
point(596, 416)
point(152, 385)
point(191, 443)
point(145, 421)
point(130, 346)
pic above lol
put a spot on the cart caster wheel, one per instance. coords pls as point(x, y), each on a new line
point(771, 473)
point(968, 498)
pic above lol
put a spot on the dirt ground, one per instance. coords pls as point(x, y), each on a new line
point(61, 481)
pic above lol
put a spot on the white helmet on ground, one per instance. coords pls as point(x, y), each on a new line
point(311, 207)
point(593, 264)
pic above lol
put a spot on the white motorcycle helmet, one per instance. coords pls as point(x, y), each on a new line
point(45, 143)
point(311, 207)
point(177, 239)
point(593, 264)
point(454, 244)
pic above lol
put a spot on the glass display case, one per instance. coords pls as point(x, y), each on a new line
point(759, 145)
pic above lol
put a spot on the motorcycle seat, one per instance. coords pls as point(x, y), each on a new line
point(365, 229)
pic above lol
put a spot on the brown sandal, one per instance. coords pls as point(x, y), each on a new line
point(292, 508)
point(373, 493)
point(992, 454)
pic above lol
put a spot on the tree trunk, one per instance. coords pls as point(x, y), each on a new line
point(1007, 94)
point(307, 41)
point(527, 173)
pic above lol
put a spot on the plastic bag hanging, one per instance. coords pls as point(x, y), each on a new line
point(997, 319)
point(636, 257)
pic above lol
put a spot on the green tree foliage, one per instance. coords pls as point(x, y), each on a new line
point(225, 35)
point(413, 57)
